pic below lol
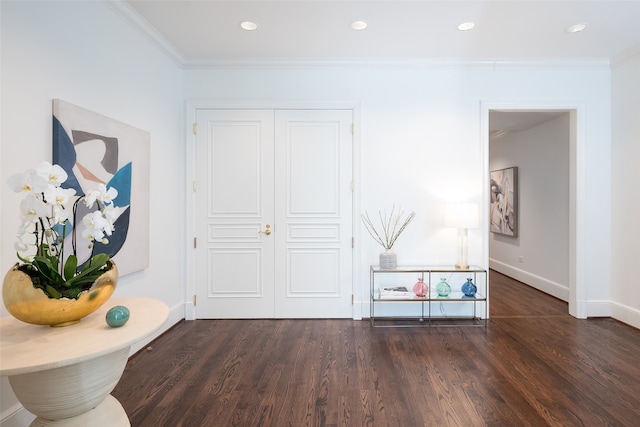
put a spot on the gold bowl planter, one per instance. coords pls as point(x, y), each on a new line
point(32, 305)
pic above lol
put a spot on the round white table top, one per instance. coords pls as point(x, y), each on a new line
point(28, 348)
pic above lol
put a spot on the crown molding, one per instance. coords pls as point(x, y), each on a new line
point(452, 63)
point(627, 54)
point(133, 18)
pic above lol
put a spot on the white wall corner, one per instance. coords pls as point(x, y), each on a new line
point(189, 311)
point(629, 53)
point(137, 22)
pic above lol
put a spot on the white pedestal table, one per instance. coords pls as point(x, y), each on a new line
point(64, 375)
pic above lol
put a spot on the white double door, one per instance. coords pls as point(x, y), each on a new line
point(274, 214)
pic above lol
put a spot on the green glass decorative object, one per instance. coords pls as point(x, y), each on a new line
point(442, 288)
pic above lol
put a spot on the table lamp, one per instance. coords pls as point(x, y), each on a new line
point(462, 216)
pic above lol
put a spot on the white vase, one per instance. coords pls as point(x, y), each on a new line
point(388, 260)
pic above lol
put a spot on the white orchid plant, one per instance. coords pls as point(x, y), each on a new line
point(44, 214)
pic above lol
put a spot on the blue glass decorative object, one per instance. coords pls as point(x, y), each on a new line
point(468, 288)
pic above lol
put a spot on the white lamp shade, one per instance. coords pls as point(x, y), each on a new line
point(461, 215)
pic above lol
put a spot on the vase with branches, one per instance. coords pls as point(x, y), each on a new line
point(392, 225)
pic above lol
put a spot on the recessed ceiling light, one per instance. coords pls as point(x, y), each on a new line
point(575, 28)
point(358, 25)
point(466, 26)
point(249, 26)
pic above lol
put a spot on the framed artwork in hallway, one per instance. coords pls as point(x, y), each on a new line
point(504, 202)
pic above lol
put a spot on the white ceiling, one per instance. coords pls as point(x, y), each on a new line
point(204, 32)
point(503, 122)
point(200, 33)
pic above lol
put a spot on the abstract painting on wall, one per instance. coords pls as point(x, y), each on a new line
point(504, 202)
point(94, 149)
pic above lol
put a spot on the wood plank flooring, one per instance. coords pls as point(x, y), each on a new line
point(533, 366)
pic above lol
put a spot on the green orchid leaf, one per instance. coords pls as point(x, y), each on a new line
point(91, 270)
point(47, 269)
point(52, 292)
point(70, 267)
point(74, 292)
point(97, 262)
point(82, 281)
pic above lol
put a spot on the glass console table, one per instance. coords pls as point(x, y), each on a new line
point(455, 309)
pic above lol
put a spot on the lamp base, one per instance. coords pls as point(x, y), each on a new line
point(462, 266)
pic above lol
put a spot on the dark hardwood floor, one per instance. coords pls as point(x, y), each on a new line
point(533, 366)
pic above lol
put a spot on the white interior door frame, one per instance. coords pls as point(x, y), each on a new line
point(577, 187)
point(192, 106)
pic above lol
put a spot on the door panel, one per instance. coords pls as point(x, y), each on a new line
point(290, 169)
point(234, 260)
point(314, 205)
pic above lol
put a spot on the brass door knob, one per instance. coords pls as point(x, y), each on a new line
point(267, 231)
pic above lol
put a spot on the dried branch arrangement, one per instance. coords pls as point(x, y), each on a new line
point(392, 226)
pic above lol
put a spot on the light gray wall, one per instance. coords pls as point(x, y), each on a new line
point(539, 255)
point(421, 145)
point(625, 192)
point(83, 53)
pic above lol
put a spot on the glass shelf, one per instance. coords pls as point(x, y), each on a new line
point(428, 268)
point(433, 296)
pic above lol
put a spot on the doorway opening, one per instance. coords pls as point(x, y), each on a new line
point(544, 144)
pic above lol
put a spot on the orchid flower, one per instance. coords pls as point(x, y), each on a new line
point(60, 215)
point(107, 195)
point(102, 194)
point(20, 245)
point(20, 232)
point(111, 214)
point(57, 195)
point(90, 198)
point(92, 234)
point(32, 208)
point(54, 174)
point(95, 224)
point(29, 182)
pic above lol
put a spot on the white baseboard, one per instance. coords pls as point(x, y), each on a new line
point(598, 308)
point(625, 314)
point(547, 286)
point(16, 416)
point(601, 308)
point(176, 314)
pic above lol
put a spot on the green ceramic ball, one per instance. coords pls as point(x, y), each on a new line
point(117, 316)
